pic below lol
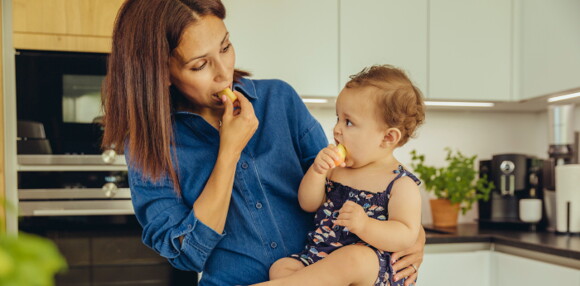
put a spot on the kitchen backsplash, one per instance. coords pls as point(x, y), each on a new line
point(478, 133)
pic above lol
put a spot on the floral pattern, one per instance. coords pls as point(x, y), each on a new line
point(328, 237)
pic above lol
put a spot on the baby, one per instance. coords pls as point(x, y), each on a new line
point(370, 206)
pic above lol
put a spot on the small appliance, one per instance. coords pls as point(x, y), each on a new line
point(568, 198)
point(562, 151)
point(515, 177)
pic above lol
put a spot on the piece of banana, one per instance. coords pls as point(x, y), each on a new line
point(229, 93)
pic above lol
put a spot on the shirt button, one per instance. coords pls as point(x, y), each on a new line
point(244, 165)
point(258, 205)
point(273, 245)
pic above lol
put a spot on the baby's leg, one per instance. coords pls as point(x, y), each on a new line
point(355, 265)
point(284, 267)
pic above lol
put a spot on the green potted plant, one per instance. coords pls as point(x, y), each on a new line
point(455, 186)
point(27, 259)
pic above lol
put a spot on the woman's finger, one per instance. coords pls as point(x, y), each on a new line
point(397, 255)
point(411, 280)
point(228, 113)
point(404, 262)
point(405, 272)
point(245, 105)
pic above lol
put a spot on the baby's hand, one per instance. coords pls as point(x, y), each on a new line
point(325, 160)
point(353, 217)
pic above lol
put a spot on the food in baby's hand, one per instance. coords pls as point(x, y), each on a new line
point(341, 154)
point(229, 93)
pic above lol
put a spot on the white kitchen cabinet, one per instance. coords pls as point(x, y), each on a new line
point(470, 50)
point(550, 45)
point(508, 270)
point(384, 32)
point(293, 40)
point(456, 268)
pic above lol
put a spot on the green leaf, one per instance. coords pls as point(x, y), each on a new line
point(456, 182)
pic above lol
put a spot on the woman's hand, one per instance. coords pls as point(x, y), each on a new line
point(406, 263)
point(238, 126)
point(325, 160)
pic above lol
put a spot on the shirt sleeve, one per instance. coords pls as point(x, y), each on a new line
point(311, 137)
point(165, 217)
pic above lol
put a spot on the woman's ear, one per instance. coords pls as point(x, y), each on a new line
point(392, 137)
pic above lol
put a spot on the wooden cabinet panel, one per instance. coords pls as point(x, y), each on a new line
point(2, 165)
point(64, 25)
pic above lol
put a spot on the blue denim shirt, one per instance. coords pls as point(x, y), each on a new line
point(265, 221)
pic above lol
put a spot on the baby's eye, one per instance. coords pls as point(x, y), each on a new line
point(348, 123)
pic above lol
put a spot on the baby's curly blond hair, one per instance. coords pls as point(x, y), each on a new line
point(399, 102)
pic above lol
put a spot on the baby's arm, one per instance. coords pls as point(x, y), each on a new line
point(311, 193)
point(398, 233)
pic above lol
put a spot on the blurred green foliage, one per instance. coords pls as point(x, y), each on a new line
point(28, 260)
point(457, 182)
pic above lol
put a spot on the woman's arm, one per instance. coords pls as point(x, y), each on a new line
point(403, 260)
point(400, 231)
point(211, 207)
point(187, 234)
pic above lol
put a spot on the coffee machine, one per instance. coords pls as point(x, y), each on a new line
point(515, 177)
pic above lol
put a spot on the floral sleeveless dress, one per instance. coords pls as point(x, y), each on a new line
point(328, 237)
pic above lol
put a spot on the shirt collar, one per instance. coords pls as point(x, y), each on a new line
point(246, 87)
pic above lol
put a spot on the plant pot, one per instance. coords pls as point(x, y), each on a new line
point(444, 213)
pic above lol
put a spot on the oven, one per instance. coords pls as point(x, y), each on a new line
point(69, 189)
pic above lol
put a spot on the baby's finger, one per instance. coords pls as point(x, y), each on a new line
point(328, 161)
point(345, 216)
point(341, 222)
point(331, 153)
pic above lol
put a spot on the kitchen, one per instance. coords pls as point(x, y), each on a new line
point(526, 52)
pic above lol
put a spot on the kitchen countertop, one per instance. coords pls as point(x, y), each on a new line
point(562, 245)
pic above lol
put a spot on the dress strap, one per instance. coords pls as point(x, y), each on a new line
point(401, 172)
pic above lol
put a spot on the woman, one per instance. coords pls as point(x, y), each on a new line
point(214, 183)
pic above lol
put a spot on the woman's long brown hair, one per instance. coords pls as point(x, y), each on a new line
point(136, 94)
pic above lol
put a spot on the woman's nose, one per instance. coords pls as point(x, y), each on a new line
point(221, 71)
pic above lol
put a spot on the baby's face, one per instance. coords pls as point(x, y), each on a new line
point(359, 127)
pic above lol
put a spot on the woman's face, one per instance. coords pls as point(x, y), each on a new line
point(203, 63)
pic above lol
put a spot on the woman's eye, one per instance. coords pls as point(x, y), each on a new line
point(199, 67)
point(348, 123)
point(226, 48)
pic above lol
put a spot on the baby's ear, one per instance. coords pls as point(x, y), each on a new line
point(392, 137)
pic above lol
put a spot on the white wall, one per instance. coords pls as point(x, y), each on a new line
point(481, 133)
